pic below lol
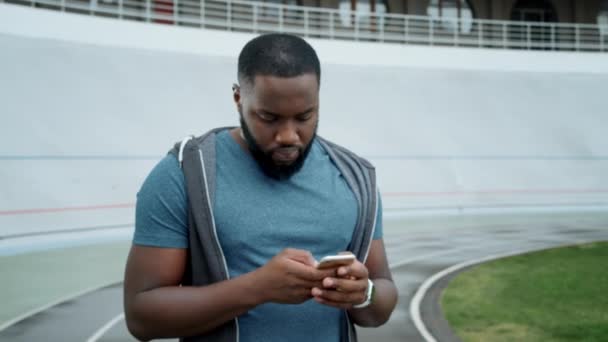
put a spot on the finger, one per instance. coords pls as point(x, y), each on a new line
point(300, 255)
point(325, 273)
point(304, 293)
point(356, 269)
point(307, 284)
point(345, 285)
point(339, 297)
point(307, 272)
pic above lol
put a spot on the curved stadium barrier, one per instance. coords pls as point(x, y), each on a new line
point(329, 23)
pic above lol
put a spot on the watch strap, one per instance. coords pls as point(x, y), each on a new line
point(368, 296)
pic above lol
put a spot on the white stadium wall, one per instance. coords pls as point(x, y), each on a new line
point(89, 105)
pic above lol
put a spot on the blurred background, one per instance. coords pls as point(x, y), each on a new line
point(477, 114)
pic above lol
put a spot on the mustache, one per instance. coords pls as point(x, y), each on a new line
point(287, 148)
point(264, 156)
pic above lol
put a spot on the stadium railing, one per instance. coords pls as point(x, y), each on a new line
point(329, 23)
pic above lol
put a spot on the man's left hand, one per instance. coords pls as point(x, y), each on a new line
point(348, 288)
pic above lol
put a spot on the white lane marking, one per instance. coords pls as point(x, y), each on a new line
point(425, 256)
point(43, 242)
point(56, 302)
point(415, 313)
point(516, 238)
point(105, 328)
point(415, 303)
point(446, 211)
point(422, 329)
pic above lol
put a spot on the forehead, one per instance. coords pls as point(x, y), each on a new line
point(277, 87)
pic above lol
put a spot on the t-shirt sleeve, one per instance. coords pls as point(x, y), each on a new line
point(378, 231)
point(161, 213)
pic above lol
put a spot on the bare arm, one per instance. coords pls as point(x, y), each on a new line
point(351, 286)
point(156, 306)
point(385, 297)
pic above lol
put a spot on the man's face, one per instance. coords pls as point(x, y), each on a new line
point(279, 119)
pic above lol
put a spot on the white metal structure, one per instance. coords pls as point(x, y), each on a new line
point(258, 17)
point(91, 104)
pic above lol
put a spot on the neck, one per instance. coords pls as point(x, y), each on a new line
point(237, 135)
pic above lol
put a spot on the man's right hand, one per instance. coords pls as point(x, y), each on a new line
point(289, 277)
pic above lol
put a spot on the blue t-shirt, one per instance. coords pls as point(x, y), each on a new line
point(256, 217)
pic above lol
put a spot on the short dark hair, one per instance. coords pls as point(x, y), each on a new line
point(277, 54)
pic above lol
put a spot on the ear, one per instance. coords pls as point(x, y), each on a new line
point(236, 96)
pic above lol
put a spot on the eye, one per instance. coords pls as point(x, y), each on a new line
point(267, 117)
point(304, 117)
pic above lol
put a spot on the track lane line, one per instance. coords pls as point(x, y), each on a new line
point(105, 328)
point(65, 209)
point(457, 249)
point(47, 306)
point(415, 312)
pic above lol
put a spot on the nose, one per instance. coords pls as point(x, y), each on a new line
point(287, 134)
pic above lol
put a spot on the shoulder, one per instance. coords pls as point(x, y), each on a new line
point(339, 151)
point(168, 167)
point(166, 178)
point(197, 141)
point(161, 210)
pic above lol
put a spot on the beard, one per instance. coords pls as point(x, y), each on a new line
point(264, 158)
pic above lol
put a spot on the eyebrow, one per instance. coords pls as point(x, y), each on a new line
point(298, 114)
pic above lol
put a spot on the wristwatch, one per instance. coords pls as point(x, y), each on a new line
point(368, 297)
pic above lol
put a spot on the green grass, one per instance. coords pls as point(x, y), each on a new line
point(35, 279)
point(554, 295)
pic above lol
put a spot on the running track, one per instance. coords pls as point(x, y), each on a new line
point(417, 250)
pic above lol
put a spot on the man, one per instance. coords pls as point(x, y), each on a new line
point(281, 199)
